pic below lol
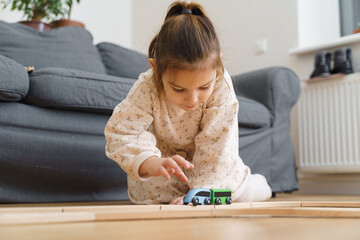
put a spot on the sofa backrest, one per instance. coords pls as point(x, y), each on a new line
point(68, 47)
point(122, 62)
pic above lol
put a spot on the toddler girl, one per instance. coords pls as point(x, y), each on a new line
point(177, 129)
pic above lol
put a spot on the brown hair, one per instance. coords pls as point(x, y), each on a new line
point(186, 40)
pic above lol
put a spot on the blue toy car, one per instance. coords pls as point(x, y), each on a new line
point(198, 196)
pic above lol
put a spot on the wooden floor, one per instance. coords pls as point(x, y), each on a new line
point(244, 227)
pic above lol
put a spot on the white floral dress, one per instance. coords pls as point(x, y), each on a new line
point(145, 124)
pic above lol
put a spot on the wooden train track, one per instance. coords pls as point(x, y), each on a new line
point(62, 214)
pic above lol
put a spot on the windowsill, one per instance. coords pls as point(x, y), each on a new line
point(342, 41)
point(333, 78)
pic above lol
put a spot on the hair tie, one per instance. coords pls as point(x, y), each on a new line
point(186, 11)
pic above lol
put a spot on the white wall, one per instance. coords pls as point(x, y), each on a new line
point(108, 20)
point(318, 21)
point(8, 16)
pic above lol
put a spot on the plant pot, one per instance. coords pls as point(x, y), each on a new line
point(38, 25)
point(66, 23)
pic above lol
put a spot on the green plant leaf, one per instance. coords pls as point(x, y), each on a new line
point(48, 9)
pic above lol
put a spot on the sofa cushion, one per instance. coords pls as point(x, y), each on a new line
point(67, 47)
point(252, 114)
point(122, 62)
point(14, 80)
point(78, 90)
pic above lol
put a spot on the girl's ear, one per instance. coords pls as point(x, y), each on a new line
point(153, 63)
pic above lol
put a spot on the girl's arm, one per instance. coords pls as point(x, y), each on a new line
point(128, 140)
point(132, 145)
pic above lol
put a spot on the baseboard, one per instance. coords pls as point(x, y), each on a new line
point(343, 184)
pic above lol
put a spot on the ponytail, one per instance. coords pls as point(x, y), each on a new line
point(178, 8)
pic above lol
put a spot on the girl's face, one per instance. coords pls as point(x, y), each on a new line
point(188, 88)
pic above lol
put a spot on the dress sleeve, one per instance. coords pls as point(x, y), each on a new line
point(216, 158)
point(128, 139)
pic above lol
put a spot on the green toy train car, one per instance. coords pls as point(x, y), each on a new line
point(205, 196)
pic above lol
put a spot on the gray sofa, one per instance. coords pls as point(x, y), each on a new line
point(52, 120)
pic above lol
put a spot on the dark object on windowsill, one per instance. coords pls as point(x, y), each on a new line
point(342, 61)
point(322, 64)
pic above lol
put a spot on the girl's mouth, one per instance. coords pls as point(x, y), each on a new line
point(191, 107)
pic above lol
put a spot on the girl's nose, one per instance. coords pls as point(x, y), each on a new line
point(191, 98)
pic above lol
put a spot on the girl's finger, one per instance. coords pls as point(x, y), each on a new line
point(182, 162)
point(170, 170)
point(172, 202)
point(177, 201)
point(164, 172)
point(171, 164)
point(181, 176)
point(180, 201)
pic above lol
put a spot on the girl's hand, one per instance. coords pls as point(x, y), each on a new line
point(177, 201)
point(154, 166)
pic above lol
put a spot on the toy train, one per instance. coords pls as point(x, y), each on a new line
point(205, 196)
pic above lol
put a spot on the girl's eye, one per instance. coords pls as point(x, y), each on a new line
point(204, 88)
point(178, 90)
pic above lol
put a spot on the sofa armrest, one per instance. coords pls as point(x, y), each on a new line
point(14, 80)
point(274, 87)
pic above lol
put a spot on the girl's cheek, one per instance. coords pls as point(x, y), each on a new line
point(207, 95)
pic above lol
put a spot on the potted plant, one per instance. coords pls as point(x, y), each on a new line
point(37, 10)
point(67, 22)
